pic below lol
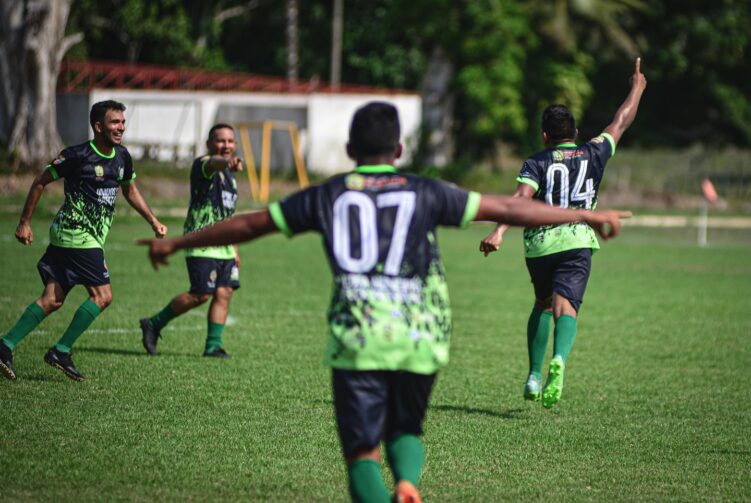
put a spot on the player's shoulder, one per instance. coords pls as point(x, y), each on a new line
point(122, 152)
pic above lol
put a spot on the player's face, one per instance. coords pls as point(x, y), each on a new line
point(113, 127)
point(222, 143)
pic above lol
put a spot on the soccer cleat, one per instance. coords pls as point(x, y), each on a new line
point(150, 336)
point(6, 361)
point(217, 353)
point(406, 492)
point(532, 388)
point(64, 362)
point(554, 386)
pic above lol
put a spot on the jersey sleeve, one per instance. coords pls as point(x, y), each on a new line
point(455, 207)
point(64, 164)
point(531, 174)
point(296, 213)
point(601, 149)
point(129, 174)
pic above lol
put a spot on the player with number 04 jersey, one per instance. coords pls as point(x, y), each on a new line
point(559, 256)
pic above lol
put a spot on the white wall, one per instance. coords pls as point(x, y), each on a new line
point(178, 121)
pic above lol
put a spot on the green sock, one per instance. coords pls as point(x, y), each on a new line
point(160, 320)
point(366, 483)
point(564, 333)
point(406, 455)
point(83, 317)
point(538, 334)
point(31, 317)
point(214, 336)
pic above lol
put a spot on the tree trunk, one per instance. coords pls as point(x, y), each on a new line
point(438, 110)
point(33, 43)
point(336, 44)
point(292, 43)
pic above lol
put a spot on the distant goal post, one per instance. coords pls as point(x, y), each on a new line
point(259, 185)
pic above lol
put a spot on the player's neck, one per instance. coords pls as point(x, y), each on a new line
point(555, 143)
point(375, 160)
point(102, 146)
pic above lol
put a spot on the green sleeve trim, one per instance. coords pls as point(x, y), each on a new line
point(529, 181)
point(470, 211)
point(612, 143)
point(127, 182)
point(203, 169)
point(275, 210)
point(53, 171)
point(112, 154)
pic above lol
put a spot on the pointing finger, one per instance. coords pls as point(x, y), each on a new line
point(638, 65)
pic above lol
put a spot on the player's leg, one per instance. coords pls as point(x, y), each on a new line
point(538, 325)
point(59, 355)
point(569, 284)
point(151, 328)
point(217, 318)
point(51, 300)
point(227, 281)
point(202, 276)
point(409, 395)
point(360, 403)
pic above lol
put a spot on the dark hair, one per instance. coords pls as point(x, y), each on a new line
point(559, 123)
point(221, 125)
point(375, 129)
point(99, 110)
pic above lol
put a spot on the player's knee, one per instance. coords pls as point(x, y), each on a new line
point(102, 300)
point(223, 294)
point(50, 304)
point(373, 453)
point(200, 298)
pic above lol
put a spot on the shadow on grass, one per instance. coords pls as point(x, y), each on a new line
point(135, 352)
point(505, 414)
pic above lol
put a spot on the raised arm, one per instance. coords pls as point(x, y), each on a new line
point(136, 200)
point(523, 212)
point(627, 111)
point(24, 235)
point(245, 227)
point(492, 241)
point(218, 163)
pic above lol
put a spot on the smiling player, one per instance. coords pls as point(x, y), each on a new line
point(93, 173)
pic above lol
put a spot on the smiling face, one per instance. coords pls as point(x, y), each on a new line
point(111, 128)
point(222, 142)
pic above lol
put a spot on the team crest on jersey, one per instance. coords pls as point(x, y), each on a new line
point(355, 182)
point(557, 155)
point(98, 171)
point(598, 139)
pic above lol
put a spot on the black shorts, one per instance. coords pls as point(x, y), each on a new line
point(377, 405)
point(206, 274)
point(565, 273)
point(73, 266)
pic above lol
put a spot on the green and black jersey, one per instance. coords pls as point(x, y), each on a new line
point(390, 305)
point(569, 177)
point(212, 199)
point(92, 180)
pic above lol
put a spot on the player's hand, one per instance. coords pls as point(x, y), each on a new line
point(638, 79)
point(491, 243)
point(235, 164)
point(24, 235)
point(159, 250)
point(607, 223)
point(160, 230)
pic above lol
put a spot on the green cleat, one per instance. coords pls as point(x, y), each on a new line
point(554, 386)
point(532, 388)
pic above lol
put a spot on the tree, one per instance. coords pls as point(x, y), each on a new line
point(33, 46)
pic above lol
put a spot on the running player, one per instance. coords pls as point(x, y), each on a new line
point(390, 321)
point(559, 257)
point(93, 173)
point(213, 271)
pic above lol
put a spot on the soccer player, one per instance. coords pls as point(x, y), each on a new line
point(213, 271)
point(93, 173)
point(389, 318)
point(559, 256)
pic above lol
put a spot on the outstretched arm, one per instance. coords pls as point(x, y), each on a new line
point(627, 111)
point(523, 212)
point(24, 235)
point(218, 163)
point(245, 227)
point(492, 241)
point(136, 200)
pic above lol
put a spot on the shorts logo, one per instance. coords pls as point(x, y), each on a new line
point(211, 283)
point(106, 273)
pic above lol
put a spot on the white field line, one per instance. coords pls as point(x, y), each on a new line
point(682, 221)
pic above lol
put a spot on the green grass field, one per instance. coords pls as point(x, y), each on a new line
point(656, 404)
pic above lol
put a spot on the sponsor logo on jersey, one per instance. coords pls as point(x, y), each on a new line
point(120, 173)
point(598, 139)
point(355, 182)
point(107, 195)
